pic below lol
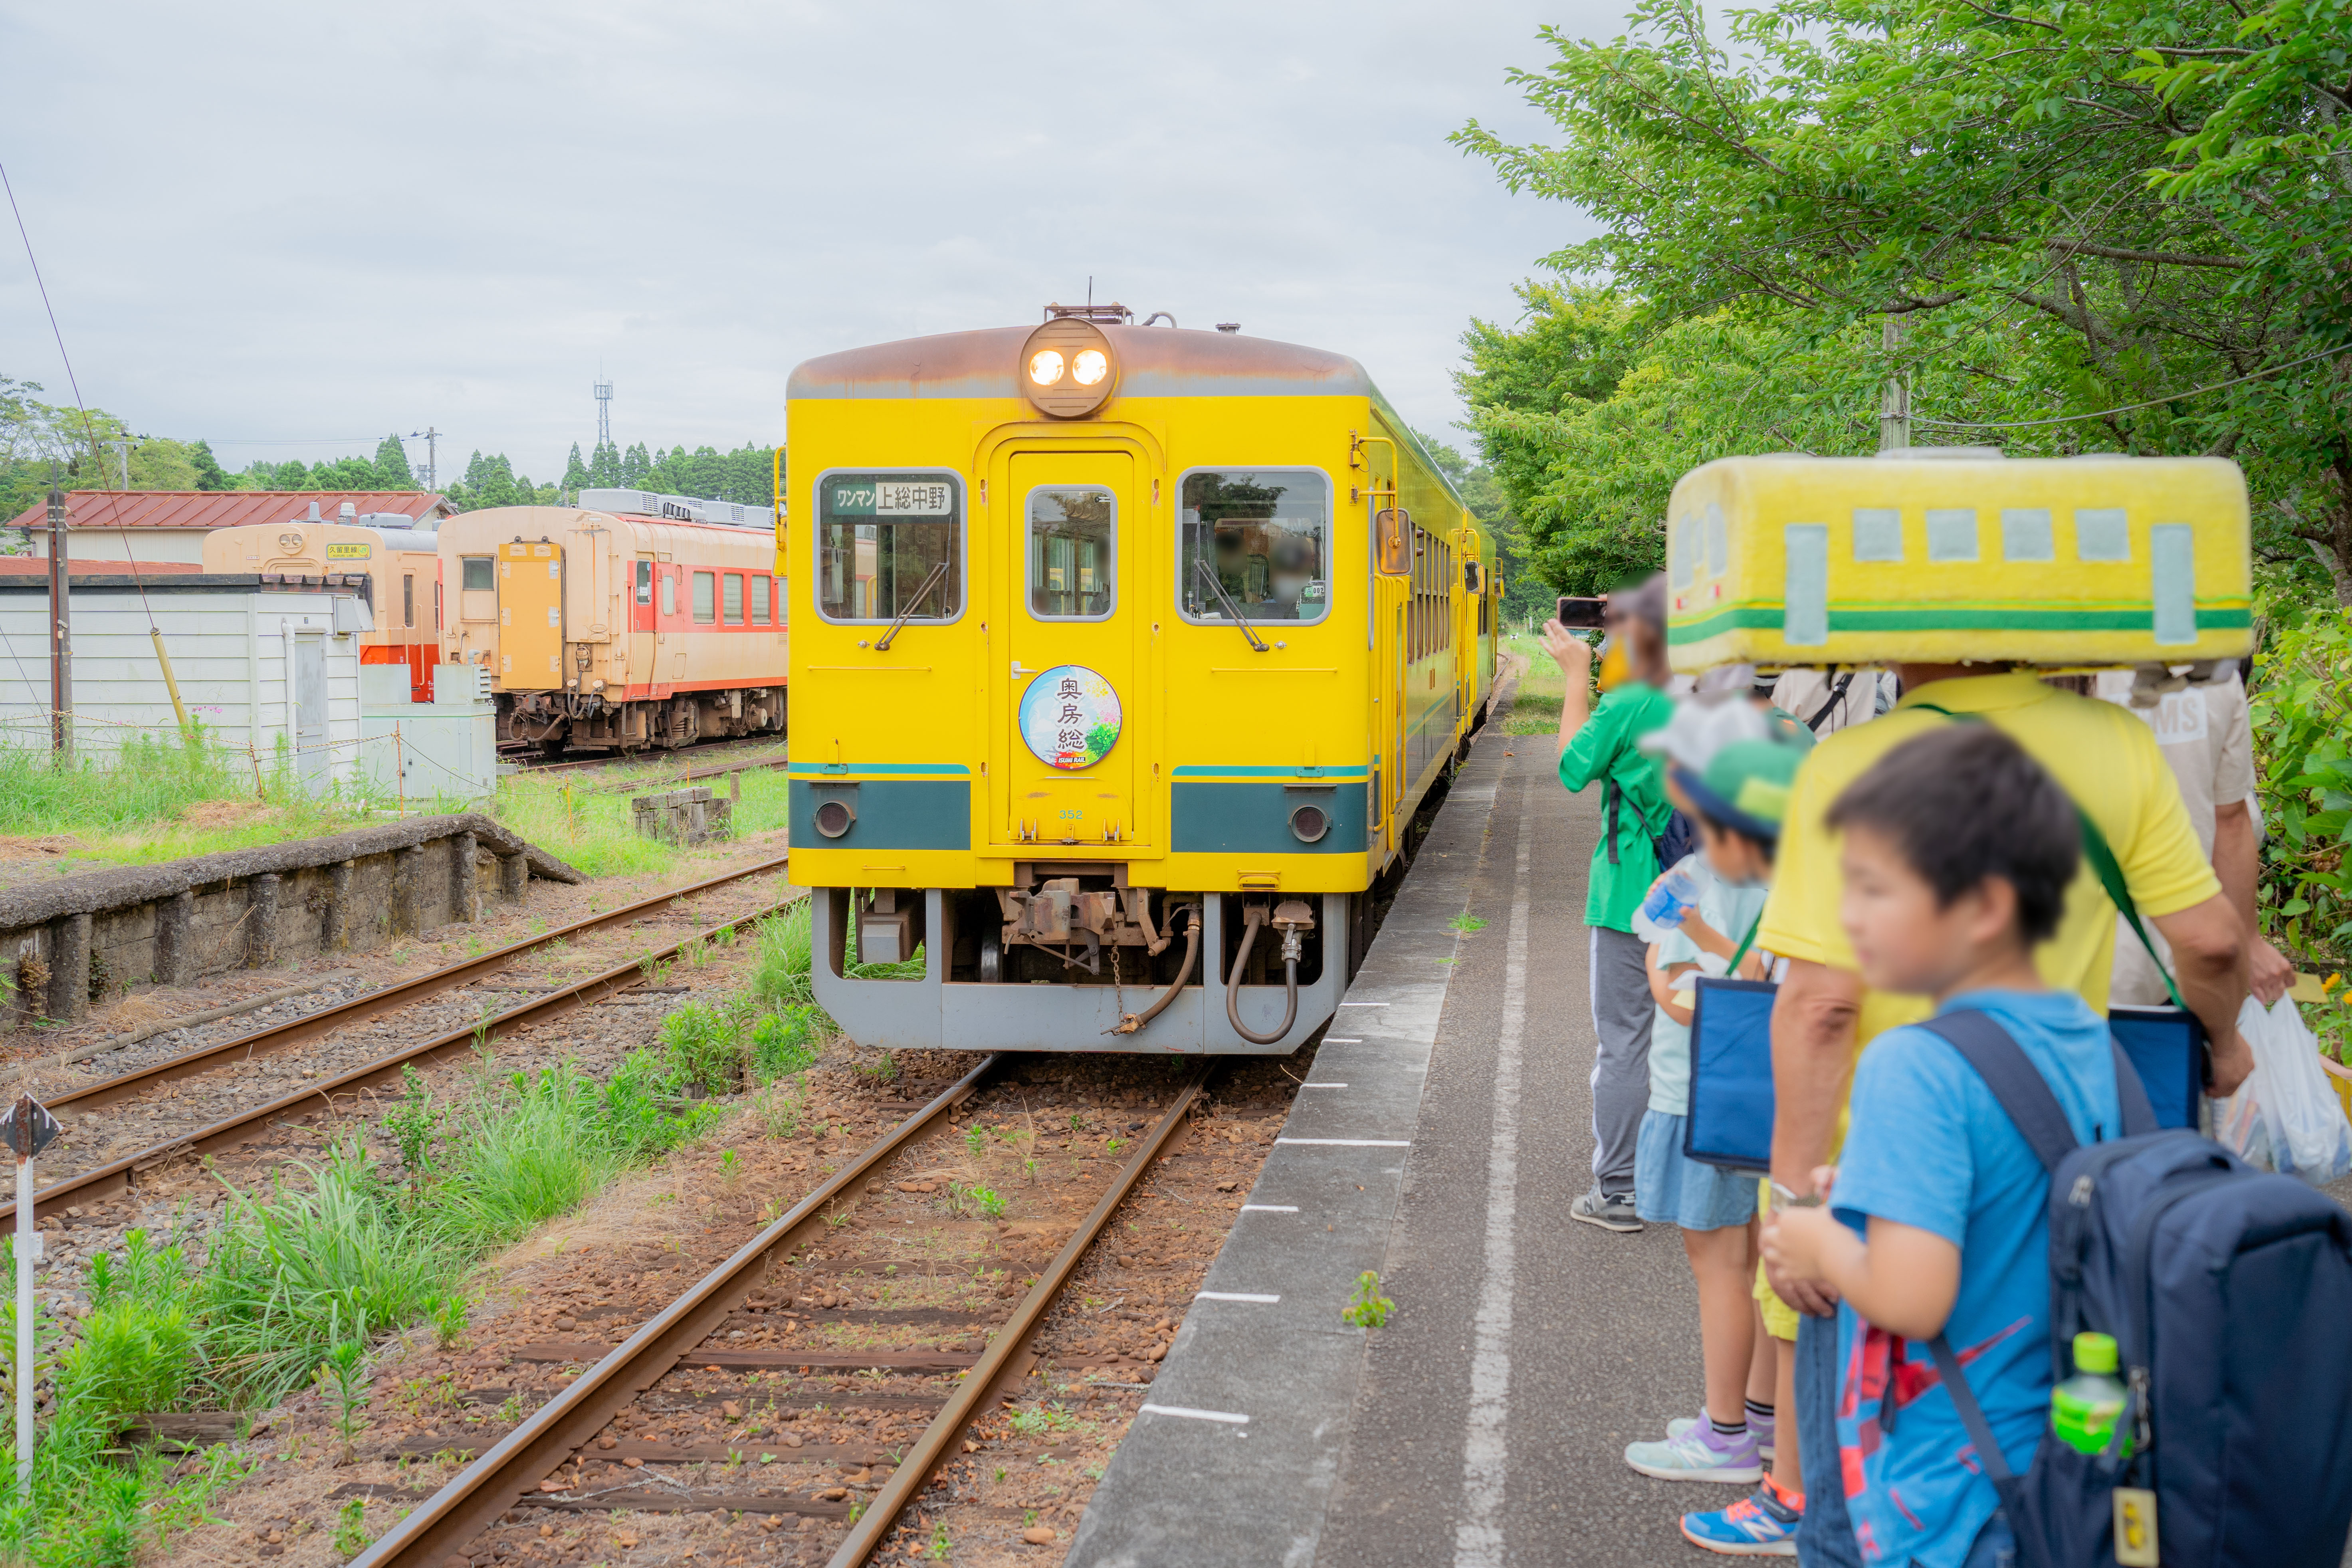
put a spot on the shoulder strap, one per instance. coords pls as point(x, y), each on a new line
point(2104, 865)
point(1614, 794)
point(1836, 696)
point(1732, 970)
point(2014, 1080)
point(1972, 1417)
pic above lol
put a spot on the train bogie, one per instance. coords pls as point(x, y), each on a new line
point(609, 631)
point(1108, 687)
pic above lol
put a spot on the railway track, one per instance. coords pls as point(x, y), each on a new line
point(122, 1173)
point(573, 1426)
point(712, 749)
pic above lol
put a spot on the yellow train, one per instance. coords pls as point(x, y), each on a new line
point(1940, 557)
point(1123, 658)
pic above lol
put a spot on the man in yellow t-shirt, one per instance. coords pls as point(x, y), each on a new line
point(2108, 762)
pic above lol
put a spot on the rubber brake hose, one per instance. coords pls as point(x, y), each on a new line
point(1252, 921)
point(1135, 1021)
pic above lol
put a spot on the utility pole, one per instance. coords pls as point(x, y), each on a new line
point(123, 452)
point(432, 439)
point(60, 631)
point(1895, 398)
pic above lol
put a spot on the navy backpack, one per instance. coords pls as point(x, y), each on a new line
point(2229, 1292)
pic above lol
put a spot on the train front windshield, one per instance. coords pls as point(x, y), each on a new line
point(1265, 535)
point(889, 545)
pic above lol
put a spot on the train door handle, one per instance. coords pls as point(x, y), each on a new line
point(1018, 672)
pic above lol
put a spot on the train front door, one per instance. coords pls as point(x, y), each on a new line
point(531, 616)
point(1072, 704)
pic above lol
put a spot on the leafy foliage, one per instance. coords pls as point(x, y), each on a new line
point(2301, 703)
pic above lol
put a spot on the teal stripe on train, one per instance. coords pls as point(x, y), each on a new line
point(1254, 817)
point(892, 813)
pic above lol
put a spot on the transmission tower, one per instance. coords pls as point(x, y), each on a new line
point(603, 413)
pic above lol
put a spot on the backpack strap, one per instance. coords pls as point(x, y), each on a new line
point(2103, 866)
point(2014, 1080)
point(1836, 696)
point(1614, 794)
point(1980, 1430)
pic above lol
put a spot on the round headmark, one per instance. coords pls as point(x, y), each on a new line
point(1070, 717)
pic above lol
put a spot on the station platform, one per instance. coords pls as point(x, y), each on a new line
point(1438, 1142)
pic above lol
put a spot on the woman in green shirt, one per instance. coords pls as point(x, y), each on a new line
point(1597, 745)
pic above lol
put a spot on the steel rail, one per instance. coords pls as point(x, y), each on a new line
point(472, 1499)
point(622, 759)
point(940, 1440)
point(117, 1175)
point(407, 993)
point(654, 782)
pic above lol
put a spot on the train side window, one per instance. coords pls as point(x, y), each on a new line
point(478, 577)
point(730, 602)
point(437, 607)
point(1073, 551)
point(645, 582)
point(408, 598)
point(669, 594)
point(759, 601)
point(1265, 534)
point(890, 544)
point(706, 608)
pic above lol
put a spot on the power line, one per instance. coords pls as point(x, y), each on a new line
point(2128, 407)
point(38, 283)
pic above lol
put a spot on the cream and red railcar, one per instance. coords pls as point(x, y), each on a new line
point(401, 564)
point(608, 630)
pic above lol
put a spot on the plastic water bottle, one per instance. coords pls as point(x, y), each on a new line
point(2085, 1408)
point(1670, 896)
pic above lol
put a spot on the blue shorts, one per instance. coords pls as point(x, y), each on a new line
point(1671, 1188)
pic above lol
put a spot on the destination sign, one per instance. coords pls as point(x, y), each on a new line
point(884, 497)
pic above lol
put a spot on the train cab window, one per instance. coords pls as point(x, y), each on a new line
point(477, 588)
point(730, 601)
point(669, 594)
point(408, 598)
point(1264, 535)
point(479, 578)
point(645, 582)
point(759, 601)
point(706, 608)
point(889, 545)
point(1073, 540)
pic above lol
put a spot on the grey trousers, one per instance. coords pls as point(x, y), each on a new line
point(1622, 1014)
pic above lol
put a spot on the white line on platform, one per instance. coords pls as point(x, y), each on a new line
point(1225, 1416)
point(1269, 1208)
point(1232, 1296)
point(1354, 1142)
point(1486, 1452)
point(1363, 1003)
point(1322, 1086)
point(1340, 1040)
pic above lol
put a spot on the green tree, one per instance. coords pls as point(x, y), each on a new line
point(209, 475)
point(604, 468)
point(2069, 205)
point(636, 465)
point(391, 469)
point(575, 472)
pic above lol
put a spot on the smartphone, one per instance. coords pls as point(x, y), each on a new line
point(1579, 613)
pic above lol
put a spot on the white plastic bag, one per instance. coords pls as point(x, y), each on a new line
point(2286, 1116)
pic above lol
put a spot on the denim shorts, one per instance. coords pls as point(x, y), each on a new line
point(1671, 1188)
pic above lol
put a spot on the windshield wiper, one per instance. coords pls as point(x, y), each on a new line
point(938, 574)
point(1227, 599)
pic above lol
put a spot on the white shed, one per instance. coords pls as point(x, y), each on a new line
point(269, 669)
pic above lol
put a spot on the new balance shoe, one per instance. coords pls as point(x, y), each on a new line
point(1610, 1214)
point(1703, 1455)
point(1762, 1426)
point(1760, 1525)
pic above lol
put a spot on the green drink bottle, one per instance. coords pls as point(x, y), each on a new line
point(2085, 1408)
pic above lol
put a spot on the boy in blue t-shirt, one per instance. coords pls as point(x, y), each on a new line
point(1957, 849)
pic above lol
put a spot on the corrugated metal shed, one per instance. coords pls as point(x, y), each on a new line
point(225, 509)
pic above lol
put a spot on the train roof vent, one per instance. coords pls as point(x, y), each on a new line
point(677, 509)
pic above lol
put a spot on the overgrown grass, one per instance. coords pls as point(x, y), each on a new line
point(595, 831)
point(1535, 709)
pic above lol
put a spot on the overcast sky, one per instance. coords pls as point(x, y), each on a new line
point(310, 225)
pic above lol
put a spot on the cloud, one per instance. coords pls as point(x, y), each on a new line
point(280, 222)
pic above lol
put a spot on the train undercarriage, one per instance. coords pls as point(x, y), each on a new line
point(572, 722)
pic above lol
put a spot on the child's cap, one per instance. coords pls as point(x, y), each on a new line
point(1745, 786)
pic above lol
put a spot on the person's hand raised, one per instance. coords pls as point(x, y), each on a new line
point(1570, 652)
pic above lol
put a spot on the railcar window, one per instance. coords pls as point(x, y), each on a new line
point(759, 601)
point(731, 601)
point(1266, 532)
point(704, 609)
point(408, 598)
point(669, 594)
point(479, 576)
point(645, 582)
point(1073, 543)
point(881, 539)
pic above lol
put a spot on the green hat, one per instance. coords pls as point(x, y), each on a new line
point(1745, 786)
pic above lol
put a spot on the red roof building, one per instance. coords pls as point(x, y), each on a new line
point(164, 531)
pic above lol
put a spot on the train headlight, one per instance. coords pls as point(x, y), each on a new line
point(1068, 368)
point(835, 818)
point(1308, 823)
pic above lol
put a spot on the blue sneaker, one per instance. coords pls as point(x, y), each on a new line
point(1762, 1426)
point(1700, 1456)
point(1759, 1525)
